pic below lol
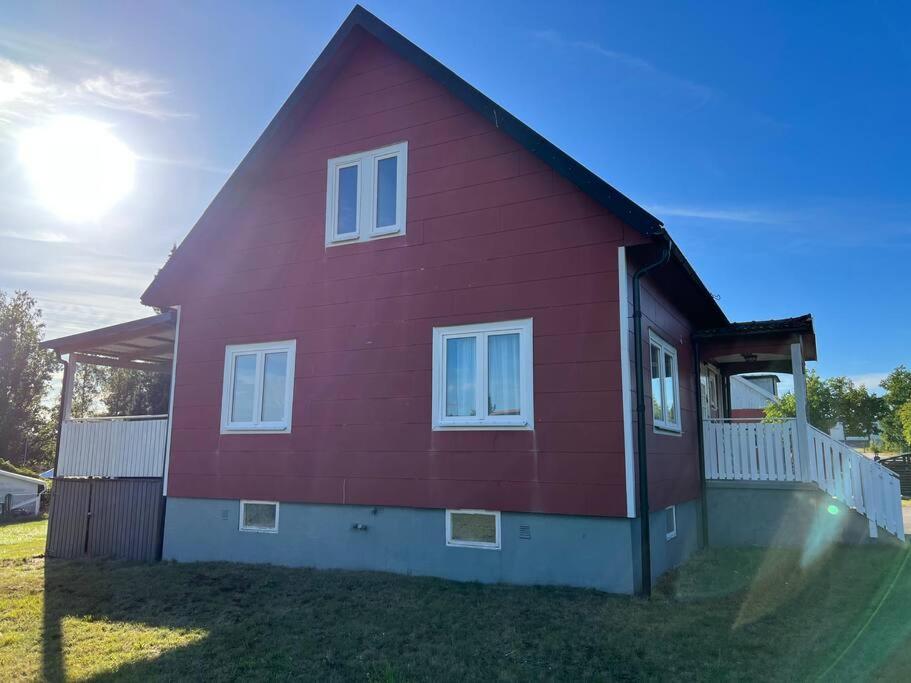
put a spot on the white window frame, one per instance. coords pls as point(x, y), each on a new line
point(255, 529)
point(257, 426)
point(481, 421)
point(668, 535)
point(367, 177)
point(664, 425)
point(452, 543)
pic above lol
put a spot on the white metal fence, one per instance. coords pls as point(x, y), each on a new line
point(113, 447)
point(758, 451)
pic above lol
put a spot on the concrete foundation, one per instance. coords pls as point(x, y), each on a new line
point(536, 549)
point(779, 514)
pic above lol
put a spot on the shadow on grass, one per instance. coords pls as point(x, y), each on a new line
point(728, 614)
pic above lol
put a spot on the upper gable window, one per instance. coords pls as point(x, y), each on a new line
point(365, 195)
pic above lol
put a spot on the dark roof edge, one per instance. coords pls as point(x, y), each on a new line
point(622, 206)
point(619, 204)
point(802, 324)
point(73, 341)
point(677, 255)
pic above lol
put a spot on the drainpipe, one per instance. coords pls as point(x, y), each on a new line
point(645, 540)
point(701, 440)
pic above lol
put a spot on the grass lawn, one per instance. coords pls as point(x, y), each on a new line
point(734, 615)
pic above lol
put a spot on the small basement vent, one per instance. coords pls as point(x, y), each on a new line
point(524, 531)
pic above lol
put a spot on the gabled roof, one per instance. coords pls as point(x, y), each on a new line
point(360, 23)
point(21, 477)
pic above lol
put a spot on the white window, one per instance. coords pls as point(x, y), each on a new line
point(259, 515)
point(365, 197)
point(665, 385)
point(258, 388)
point(473, 529)
point(711, 392)
point(670, 522)
point(482, 376)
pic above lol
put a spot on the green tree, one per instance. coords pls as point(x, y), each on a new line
point(904, 416)
point(88, 387)
point(856, 408)
point(898, 393)
point(137, 392)
point(820, 404)
point(25, 373)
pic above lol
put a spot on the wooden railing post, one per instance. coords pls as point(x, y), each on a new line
point(800, 396)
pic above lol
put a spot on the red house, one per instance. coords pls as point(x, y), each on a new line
point(410, 334)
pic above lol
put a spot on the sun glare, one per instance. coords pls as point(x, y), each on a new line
point(77, 168)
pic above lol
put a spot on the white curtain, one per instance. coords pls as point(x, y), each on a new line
point(503, 374)
point(461, 371)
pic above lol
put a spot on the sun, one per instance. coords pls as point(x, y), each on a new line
point(77, 168)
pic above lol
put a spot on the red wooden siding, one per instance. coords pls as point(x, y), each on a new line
point(673, 459)
point(492, 234)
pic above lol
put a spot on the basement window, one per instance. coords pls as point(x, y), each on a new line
point(665, 384)
point(670, 522)
point(258, 388)
point(365, 195)
point(482, 376)
point(259, 515)
point(473, 529)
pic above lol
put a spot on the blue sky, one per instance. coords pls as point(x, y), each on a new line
point(771, 138)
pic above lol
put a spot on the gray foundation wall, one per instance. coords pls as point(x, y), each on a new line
point(588, 552)
point(779, 514)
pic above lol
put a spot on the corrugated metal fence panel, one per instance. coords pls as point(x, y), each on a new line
point(126, 519)
point(68, 517)
point(112, 447)
point(105, 518)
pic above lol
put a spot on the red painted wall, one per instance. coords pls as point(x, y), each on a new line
point(673, 459)
point(493, 234)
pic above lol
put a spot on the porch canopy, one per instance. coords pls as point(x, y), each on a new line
point(144, 344)
point(759, 345)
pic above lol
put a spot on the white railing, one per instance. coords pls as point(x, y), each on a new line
point(738, 450)
point(113, 447)
point(751, 451)
point(857, 481)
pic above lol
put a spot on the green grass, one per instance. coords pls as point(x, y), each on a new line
point(732, 615)
point(22, 539)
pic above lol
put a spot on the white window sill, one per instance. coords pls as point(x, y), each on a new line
point(483, 426)
point(255, 430)
point(477, 546)
point(259, 531)
point(667, 431)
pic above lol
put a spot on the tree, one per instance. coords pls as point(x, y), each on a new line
point(904, 416)
point(898, 393)
point(25, 373)
point(820, 404)
point(137, 392)
point(856, 408)
point(88, 386)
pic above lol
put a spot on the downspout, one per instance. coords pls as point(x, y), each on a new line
point(642, 459)
point(700, 437)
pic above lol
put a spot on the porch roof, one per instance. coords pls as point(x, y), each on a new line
point(757, 345)
point(143, 344)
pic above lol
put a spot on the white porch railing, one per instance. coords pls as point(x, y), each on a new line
point(757, 451)
point(113, 447)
